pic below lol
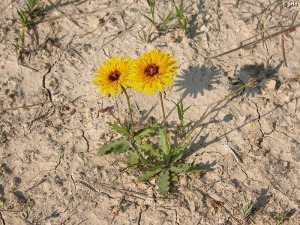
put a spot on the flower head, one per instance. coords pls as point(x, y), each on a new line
point(152, 71)
point(113, 75)
point(253, 82)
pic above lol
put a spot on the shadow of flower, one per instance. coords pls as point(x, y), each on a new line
point(196, 80)
point(263, 74)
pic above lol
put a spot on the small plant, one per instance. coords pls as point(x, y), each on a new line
point(27, 16)
point(164, 21)
point(280, 217)
point(151, 4)
point(145, 36)
point(20, 45)
point(181, 18)
point(247, 205)
point(29, 13)
point(150, 150)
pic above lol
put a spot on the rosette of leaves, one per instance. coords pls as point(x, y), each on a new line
point(154, 156)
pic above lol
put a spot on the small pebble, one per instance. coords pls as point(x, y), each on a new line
point(3, 138)
point(11, 93)
point(207, 17)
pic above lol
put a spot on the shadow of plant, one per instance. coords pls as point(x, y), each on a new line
point(194, 24)
point(196, 80)
point(262, 200)
point(263, 74)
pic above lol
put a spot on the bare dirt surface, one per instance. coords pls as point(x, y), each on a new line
point(50, 172)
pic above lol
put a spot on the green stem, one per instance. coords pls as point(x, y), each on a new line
point(167, 154)
point(130, 111)
point(143, 160)
point(118, 113)
point(163, 111)
point(152, 12)
point(210, 111)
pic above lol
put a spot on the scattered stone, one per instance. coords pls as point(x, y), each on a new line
point(3, 138)
point(11, 93)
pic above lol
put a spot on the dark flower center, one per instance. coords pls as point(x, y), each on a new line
point(151, 70)
point(114, 75)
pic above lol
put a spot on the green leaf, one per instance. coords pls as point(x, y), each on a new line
point(180, 110)
point(174, 177)
point(150, 3)
point(22, 36)
point(16, 46)
point(188, 124)
point(23, 17)
point(152, 21)
point(178, 152)
point(195, 169)
point(177, 156)
point(166, 20)
point(119, 129)
point(116, 146)
point(180, 168)
point(181, 147)
point(147, 131)
point(152, 171)
point(179, 13)
point(186, 109)
point(149, 149)
point(163, 183)
point(182, 24)
point(164, 144)
point(133, 159)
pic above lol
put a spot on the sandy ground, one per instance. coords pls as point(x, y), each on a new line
point(50, 172)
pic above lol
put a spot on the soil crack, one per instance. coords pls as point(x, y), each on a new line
point(44, 82)
point(86, 140)
point(260, 126)
point(59, 161)
point(2, 220)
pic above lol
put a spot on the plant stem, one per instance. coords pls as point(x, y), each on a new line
point(210, 111)
point(130, 111)
point(163, 111)
point(131, 142)
point(118, 113)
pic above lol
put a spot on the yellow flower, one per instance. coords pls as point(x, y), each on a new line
point(153, 71)
point(113, 75)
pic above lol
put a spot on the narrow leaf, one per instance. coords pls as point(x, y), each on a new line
point(117, 146)
point(180, 110)
point(181, 147)
point(149, 3)
point(150, 173)
point(164, 142)
point(186, 109)
point(147, 132)
point(180, 168)
point(178, 152)
point(152, 21)
point(176, 157)
point(166, 20)
point(196, 169)
point(119, 129)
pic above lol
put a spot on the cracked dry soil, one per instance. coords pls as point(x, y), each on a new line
point(50, 172)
